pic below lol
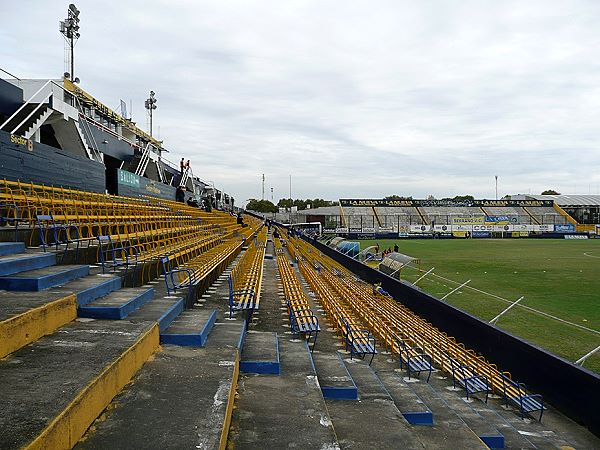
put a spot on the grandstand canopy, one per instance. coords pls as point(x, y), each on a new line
point(563, 200)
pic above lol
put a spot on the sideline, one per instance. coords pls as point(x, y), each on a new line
point(590, 256)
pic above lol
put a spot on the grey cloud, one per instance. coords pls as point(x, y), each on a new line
point(406, 97)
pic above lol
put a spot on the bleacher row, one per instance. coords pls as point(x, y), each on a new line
point(419, 345)
point(246, 277)
point(302, 319)
point(129, 232)
point(354, 335)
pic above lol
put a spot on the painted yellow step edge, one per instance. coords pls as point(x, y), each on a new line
point(70, 425)
point(25, 328)
point(230, 400)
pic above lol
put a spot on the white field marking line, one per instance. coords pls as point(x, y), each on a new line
point(537, 311)
point(590, 256)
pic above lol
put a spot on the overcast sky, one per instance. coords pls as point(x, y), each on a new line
point(352, 98)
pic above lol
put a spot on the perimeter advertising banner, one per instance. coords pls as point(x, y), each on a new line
point(468, 220)
point(349, 202)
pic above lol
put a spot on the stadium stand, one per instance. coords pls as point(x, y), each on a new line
point(393, 323)
point(195, 251)
point(444, 214)
point(396, 216)
point(360, 217)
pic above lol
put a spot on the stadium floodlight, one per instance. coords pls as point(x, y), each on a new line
point(150, 105)
point(69, 28)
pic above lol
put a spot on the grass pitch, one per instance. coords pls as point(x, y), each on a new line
point(560, 278)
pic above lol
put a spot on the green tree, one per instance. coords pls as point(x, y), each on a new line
point(263, 206)
point(550, 192)
point(285, 202)
point(397, 197)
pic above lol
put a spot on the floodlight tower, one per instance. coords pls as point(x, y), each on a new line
point(150, 105)
point(69, 28)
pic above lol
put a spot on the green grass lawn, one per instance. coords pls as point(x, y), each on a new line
point(555, 277)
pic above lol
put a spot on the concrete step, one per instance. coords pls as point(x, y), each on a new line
point(162, 310)
point(27, 316)
point(407, 401)
point(183, 398)
point(117, 305)
point(40, 279)
point(334, 378)
point(260, 353)
point(53, 389)
point(10, 248)
point(22, 262)
point(285, 411)
point(88, 293)
point(373, 421)
point(191, 328)
point(512, 437)
point(449, 430)
point(485, 430)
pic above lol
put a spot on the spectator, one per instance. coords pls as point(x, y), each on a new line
point(396, 248)
point(376, 287)
point(180, 195)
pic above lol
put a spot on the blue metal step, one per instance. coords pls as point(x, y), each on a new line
point(170, 315)
point(260, 353)
point(190, 329)
point(335, 380)
point(40, 279)
point(12, 264)
point(108, 285)
point(10, 248)
point(116, 305)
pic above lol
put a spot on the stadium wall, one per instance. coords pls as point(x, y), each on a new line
point(28, 161)
point(132, 185)
point(572, 389)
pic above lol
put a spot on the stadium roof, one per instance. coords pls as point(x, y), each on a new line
point(562, 200)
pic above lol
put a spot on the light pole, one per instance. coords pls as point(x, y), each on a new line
point(69, 28)
point(150, 105)
point(496, 177)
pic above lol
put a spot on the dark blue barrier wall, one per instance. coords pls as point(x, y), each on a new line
point(22, 159)
point(11, 98)
point(573, 390)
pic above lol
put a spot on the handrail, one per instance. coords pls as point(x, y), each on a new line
point(25, 104)
point(31, 113)
point(89, 132)
point(144, 160)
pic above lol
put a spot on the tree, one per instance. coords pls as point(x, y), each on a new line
point(302, 204)
point(285, 202)
point(463, 198)
point(396, 197)
point(263, 206)
point(550, 192)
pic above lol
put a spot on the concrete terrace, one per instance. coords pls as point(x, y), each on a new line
point(92, 364)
